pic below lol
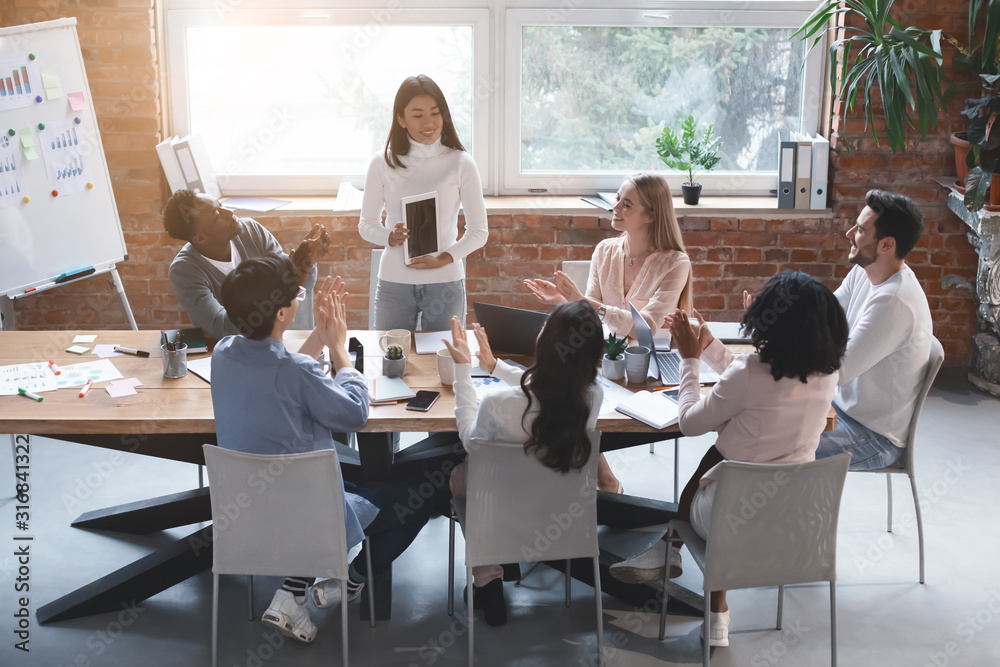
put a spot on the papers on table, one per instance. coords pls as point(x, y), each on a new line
point(34, 377)
point(77, 375)
point(614, 394)
point(85, 338)
point(487, 385)
point(653, 408)
point(202, 368)
point(104, 351)
point(125, 387)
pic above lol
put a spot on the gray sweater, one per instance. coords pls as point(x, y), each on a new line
point(198, 284)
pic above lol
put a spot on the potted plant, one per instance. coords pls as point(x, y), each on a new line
point(613, 363)
point(689, 154)
point(394, 362)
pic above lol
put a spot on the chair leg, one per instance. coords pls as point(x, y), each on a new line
point(920, 526)
point(371, 584)
point(215, 620)
point(706, 630)
point(249, 597)
point(781, 602)
point(525, 575)
point(652, 448)
point(201, 477)
point(677, 470)
point(666, 584)
point(569, 567)
point(600, 611)
point(343, 614)
point(833, 624)
point(451, 566)
point(469, 605)
point(888, 488)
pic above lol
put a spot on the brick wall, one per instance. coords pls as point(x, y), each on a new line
point(729, 253)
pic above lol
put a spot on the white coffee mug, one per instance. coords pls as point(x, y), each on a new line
point(446, 366)
point(636, 364)
point(400, 337)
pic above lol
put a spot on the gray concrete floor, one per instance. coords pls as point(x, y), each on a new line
point(885, 617)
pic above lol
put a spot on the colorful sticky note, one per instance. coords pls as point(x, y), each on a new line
point(28, 144)
point(85, 338)
point(78, 349)
point(76, 101)
point(116, 390)
point(50, 82)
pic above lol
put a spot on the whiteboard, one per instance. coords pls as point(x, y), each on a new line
point(51, 235)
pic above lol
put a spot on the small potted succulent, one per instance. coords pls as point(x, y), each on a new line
point(613, 363)
point(394, 362)
point(689, 153)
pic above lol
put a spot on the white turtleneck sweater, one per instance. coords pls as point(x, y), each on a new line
point(454, 176)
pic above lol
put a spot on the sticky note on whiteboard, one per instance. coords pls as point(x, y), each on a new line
point(51, 84)
point(76, 101)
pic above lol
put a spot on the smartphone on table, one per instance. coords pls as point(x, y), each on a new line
point(423, 400)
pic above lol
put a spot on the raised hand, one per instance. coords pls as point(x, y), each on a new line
point(486, 359)
point(567, 288)
point(459, 346)
point(705, 336)
point(686, 335)
point(747, 299)
point(544, 291)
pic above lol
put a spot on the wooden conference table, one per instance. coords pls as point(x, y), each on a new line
point(172, 419)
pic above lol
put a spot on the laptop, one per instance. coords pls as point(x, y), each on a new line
point(666, 364)
point(510, 330)
point(728, 332)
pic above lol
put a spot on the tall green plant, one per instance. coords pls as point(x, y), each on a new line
point(687, 153)
point(902, 64)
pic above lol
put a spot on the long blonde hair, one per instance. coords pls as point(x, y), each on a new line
point(665, 235)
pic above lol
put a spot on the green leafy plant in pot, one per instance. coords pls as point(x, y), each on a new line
point(690, 154)
point(613, 363)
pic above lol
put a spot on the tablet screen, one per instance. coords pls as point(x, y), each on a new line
point(421, 219)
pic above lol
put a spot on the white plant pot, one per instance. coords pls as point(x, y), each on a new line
point(613, 369)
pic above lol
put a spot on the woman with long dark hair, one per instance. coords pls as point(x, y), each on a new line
point(422, 154)
point(550, 408)
point(768, 407)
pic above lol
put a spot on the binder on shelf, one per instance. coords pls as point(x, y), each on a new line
point(803, 169)
point(786, 173)
point(171, 169)
point(820, 172)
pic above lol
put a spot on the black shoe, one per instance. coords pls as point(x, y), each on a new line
point(490, 600)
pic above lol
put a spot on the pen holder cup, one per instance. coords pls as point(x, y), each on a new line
point(174, 362)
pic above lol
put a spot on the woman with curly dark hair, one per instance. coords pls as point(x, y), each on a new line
point(768, 407)
point(550, 408)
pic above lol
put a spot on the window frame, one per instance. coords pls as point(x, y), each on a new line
point(763, 14)
point(179, 16)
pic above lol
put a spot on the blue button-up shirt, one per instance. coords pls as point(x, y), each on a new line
point(268, 400)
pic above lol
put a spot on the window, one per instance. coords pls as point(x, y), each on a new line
point(295, 102)
point(581, 128)
point(556, 96)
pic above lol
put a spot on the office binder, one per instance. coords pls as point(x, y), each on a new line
point(786, 173)
point(195, 166)
point(803, 169)
point(171, 168)
point(820, 172)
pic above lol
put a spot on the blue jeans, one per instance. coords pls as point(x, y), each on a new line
point(397, 305)
point(869, 450)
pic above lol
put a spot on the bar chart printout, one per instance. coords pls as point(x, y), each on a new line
point(20, 82)
point(12, 186)
point(64, 146)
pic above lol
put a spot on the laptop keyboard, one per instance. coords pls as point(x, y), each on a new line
point(669, 362)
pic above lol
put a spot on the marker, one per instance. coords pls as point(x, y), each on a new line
point(30, 289)
point(55, 369)
point(25, 392)
point(128, 350)
point(85, 388)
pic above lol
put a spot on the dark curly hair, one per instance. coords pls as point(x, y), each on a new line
point(797, 326)
point(256, 290)
point(566, 356)
point(177, 220)
point(398, 142)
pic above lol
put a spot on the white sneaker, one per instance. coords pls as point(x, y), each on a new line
point(720, 629)
point(289, 617)
point(648, 566)
point(327, 593)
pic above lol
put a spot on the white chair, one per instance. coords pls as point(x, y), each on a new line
point(372, 282)
point(771, 525)
point(905, 464)
point(518, 510)
point(290, 526)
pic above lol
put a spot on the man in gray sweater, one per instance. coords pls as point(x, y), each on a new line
point(217, 241)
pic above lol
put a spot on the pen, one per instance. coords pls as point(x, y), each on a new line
point(25, 392)
point(55, 369)
point(85, 388)
point(128, 350)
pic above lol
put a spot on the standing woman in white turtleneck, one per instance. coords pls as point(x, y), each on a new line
point(422, 154)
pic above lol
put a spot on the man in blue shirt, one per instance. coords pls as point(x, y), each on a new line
point(271, 401)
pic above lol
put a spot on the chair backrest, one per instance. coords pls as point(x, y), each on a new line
point(372, 282)
point(933, 366)
point(579, 271)
point(279, 515)
point(518, 510)
point(774, 523)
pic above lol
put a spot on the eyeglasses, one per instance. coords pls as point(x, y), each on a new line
point(301, 296)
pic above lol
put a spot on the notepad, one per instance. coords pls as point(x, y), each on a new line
point(202, 368)
point(390, 389)
point(652, 408)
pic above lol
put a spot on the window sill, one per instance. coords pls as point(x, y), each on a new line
point(565, 205)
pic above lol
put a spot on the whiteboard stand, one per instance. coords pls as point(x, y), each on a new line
point(8, 311)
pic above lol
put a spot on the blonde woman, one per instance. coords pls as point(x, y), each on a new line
point(646, 264)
